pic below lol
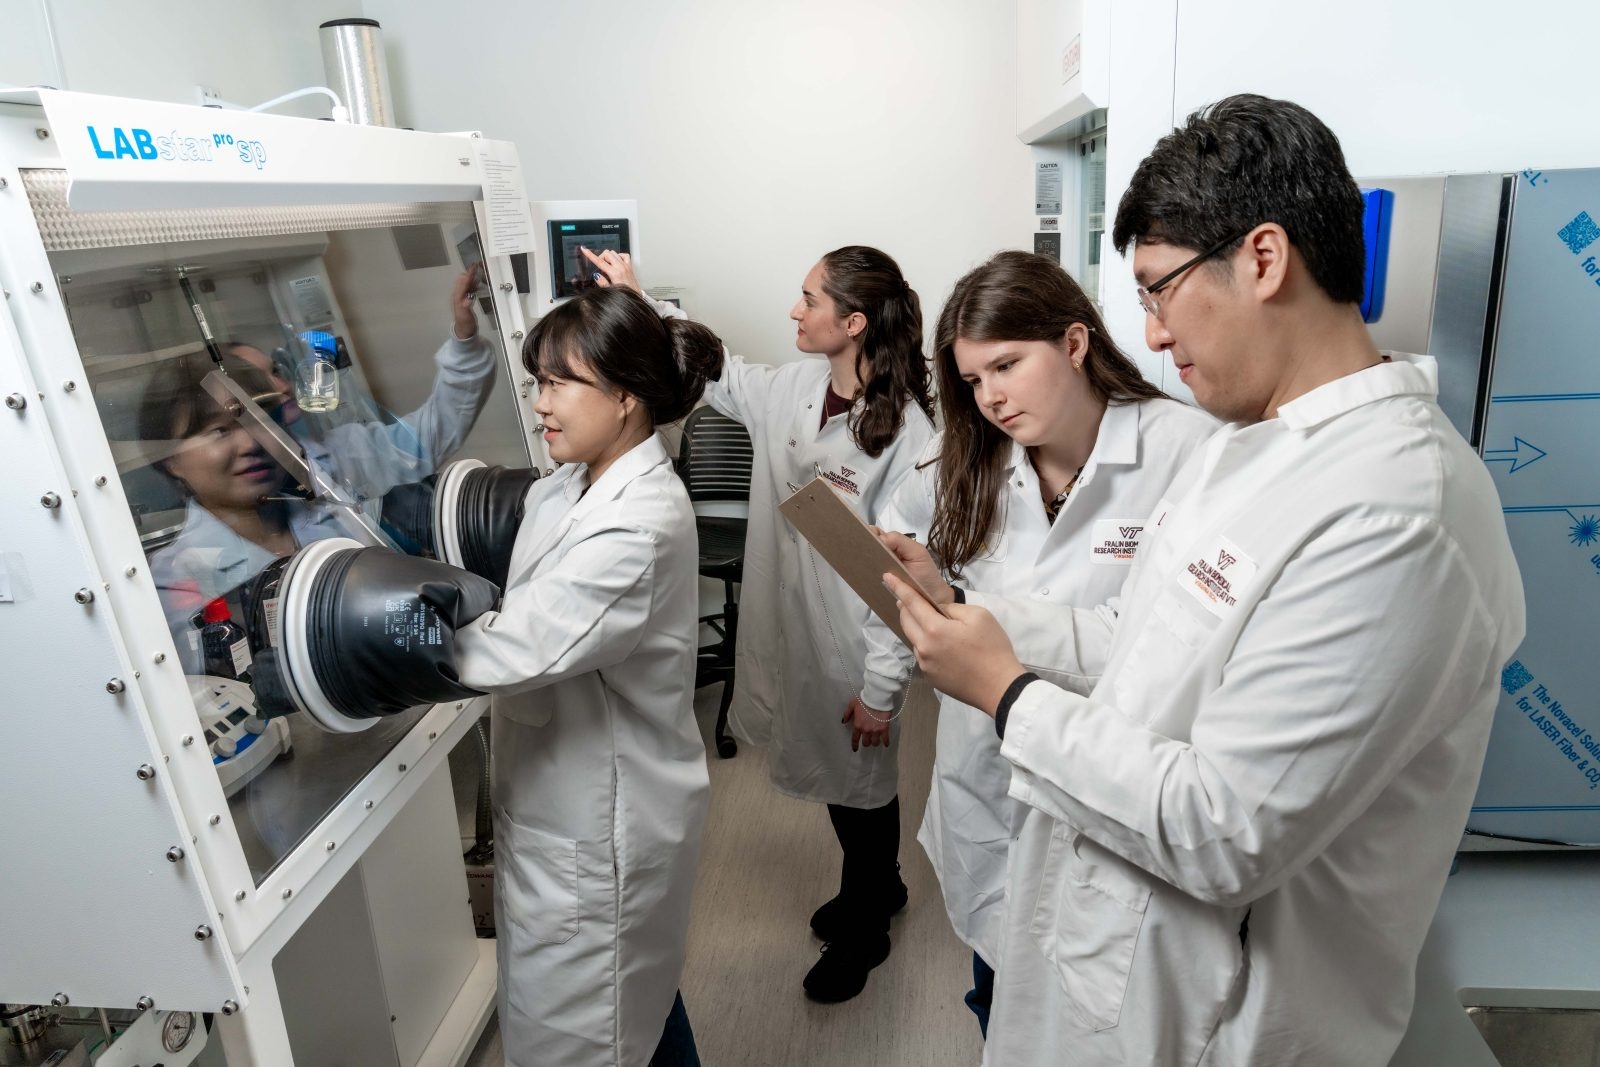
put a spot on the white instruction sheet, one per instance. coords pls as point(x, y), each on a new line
point(505, 198)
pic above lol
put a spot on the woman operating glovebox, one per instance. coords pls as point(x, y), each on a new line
point(600, 779)
point(858, 417)
point(1054, 452)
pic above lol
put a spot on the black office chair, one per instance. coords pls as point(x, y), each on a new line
point(714, 461)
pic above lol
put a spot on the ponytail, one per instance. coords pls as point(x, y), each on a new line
point(890, 364)
point(698, 354)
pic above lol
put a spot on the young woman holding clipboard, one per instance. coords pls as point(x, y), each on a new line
point(1054, 452)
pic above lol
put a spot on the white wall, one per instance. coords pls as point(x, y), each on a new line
point(1418, 87)
point(756, 136)
point(248, 50)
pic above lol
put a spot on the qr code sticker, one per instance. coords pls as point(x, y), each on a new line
point(1515, 676)
point(1580, 233)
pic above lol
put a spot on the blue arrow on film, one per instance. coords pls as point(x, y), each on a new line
point(1519, 455)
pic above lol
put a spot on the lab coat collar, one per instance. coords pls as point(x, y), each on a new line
point(235, 558)
point(1403, 375)
point(628, 466)
point(644, 456)
point(232, 558)
point(1117, 442)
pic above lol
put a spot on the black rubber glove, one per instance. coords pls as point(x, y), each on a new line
point(379, 632)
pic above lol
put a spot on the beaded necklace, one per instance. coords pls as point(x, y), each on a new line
point(1052, 508)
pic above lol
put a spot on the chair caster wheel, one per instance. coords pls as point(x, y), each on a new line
point(727, 747)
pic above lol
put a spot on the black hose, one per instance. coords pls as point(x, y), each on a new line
point(343, 688)
point(490, 511)
point(483, 830)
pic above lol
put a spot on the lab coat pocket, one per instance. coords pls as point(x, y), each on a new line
point(1168, 642)
point(1087, 922)
point(526, 709)
point(541, 881)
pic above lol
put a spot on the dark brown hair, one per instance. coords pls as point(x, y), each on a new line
point(1016, 296)
point(889, 362)
point(175, 405)
point(1243, 161)
point(617, 334)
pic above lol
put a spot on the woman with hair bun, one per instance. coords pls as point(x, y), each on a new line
point(858, 417)
point(600, 779)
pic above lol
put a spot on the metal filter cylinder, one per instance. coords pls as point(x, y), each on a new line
point(352, 57)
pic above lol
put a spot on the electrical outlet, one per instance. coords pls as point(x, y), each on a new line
point(206, 96)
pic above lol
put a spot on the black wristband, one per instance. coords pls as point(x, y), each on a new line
point(1013, 691)
point(959, 593)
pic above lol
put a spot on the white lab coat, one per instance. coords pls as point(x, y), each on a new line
point(369, 459)
point(600, 778)
point(1238, 839)
point(801, 646)
point(1082, 558)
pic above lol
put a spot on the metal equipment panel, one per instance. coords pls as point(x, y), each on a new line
point(1541, 435)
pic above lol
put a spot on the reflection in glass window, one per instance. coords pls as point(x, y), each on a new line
point(264, 392)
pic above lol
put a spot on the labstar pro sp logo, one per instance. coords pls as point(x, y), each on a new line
point(1130, 532)
point(1225, 560)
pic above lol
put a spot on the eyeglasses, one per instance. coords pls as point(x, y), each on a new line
point(1147, 293)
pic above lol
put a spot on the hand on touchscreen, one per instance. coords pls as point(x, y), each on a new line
point(613, 268)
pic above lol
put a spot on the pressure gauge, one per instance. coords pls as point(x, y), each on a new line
point(177, 1030)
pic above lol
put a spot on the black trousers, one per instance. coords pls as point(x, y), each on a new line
point(870, 840)
point(676, 1048)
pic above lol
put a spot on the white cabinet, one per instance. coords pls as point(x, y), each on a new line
point(1063, 69)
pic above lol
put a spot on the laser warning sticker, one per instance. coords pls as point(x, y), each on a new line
point(1218, 577)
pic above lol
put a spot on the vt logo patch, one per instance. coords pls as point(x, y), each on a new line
point(1219, 592)
point(1115, 542)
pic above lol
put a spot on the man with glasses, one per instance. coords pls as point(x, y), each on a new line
point(1237, 837)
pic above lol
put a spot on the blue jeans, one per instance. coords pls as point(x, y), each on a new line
point(676, 1048)
point(982, 992)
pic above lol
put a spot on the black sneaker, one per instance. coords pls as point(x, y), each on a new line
point(828, 921)
point(841, 972)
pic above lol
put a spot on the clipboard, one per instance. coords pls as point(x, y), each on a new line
point(849, 547)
